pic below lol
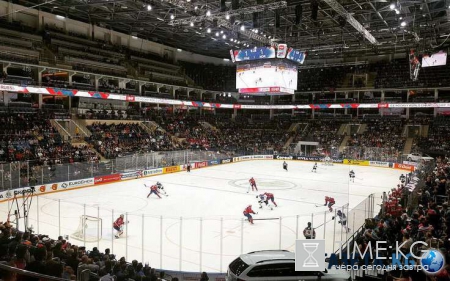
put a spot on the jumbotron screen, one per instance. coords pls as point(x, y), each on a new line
point(266, 76)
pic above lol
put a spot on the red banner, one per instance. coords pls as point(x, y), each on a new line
point(404, 167)
point(107, 178)
point(200, 164)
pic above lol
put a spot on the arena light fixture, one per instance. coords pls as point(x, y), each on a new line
point(397, 12)
point(191, 24)
point(227, 16)
point(196, 8)
point(224, 36)
point(221, 32)
point(208, 30)
point(403, 23)
point(172, 17)
point(208, 13)
point(149, 7)
point(217, 34)
point(242, 27)
point(392, 6)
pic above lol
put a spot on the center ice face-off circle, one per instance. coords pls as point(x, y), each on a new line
point(266, 184)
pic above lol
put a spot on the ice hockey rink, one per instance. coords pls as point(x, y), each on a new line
point(200, 224)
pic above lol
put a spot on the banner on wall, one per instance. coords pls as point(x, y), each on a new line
point(406, 167)
point(77, 183)
point(171, 169)
point(226, 161)
point(284, 157)
point(356, 162)
point(153, 172)
point(107, 178)
point(198, 165)
point(378, 164)
point(213, 162)
point(130, 175)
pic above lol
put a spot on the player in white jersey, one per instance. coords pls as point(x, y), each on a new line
point(351, 176)
point(161, 188)
point(262, 198)
point(158, 185)
point(327, 161)
point(342, 220)
point(314, 169)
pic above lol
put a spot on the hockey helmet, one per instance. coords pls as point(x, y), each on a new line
point(339, 212)
point(121, 215)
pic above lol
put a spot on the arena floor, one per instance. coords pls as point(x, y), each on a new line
point(203, 211)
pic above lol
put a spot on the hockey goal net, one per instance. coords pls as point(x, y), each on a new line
point(89, 229)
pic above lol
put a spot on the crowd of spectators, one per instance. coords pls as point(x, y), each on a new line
point(114, 140)
point(438, 139)
point(31, 137)
point(382, 133)
point(59, 258)
point(323, 131)
point(417, 210)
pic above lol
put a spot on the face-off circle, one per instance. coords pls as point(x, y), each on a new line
point(270, 184)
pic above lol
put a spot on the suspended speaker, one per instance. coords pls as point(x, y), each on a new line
point(222, 6)
point(314, 9)
point(255, 20)
point(234, 4)
point(277, 19)
point(298, 14)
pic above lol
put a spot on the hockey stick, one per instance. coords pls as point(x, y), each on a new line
point(319, 205)
point(266, 219)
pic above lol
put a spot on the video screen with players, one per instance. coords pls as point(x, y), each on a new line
point(274, 73)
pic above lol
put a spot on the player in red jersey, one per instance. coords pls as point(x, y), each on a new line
point(271, 198)
point(252, 184)
point(330, 201)
point(154, 189)
point(247, 212)
point(118, 226)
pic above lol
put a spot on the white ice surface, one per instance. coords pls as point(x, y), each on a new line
point(218, 195)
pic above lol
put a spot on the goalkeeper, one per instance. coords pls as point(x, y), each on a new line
point(118, 226)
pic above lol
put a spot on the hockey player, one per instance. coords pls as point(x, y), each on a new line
point(262, 198)
point(188, 167)
point(161, 188)
point(351, 175)
point(330, 201)
point(269, 196)
point(247, 212)
point(342, 220)
point(252, 185)
point(314, 169)
point(309, 232)
point(402, 178)
point(285, 166)
point(154, 189)
point(118, 226)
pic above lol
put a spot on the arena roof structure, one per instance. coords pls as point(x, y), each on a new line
point(327, 28)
